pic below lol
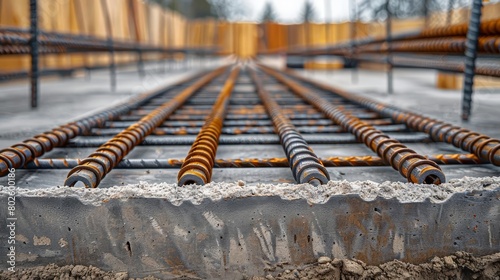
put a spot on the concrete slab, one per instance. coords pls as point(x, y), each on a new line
point(64, 100)
point(232, 231)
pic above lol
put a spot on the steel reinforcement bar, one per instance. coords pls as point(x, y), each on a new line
point(486, 28)
point(18, 38)
point(483, 146)
point(19, 154)
point(416, 168)
point(427, 62)
point(305, 165)
point(197, 168)
point(95, 167)
point(486, 45)
point(242, 139)
point(63, 163)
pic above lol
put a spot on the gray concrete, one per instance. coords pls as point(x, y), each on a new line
point(65, 100)
point(214, 233)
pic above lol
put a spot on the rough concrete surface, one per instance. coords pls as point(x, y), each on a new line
point(230, 231)
point(367, 190)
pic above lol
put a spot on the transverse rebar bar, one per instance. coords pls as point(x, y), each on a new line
point(416, 168)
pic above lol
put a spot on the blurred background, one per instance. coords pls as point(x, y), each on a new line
point(241, 27)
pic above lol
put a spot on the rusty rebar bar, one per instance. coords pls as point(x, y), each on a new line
point(19, 154)
point(486, 44)
point(91, 170)
point(483, 146)
point(416, 168)
point(246, 130)
point(261, 139)
point(197, 168)
point(305, 165)
point(173, 163)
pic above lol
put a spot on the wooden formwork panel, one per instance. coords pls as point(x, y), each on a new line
point(138, 21)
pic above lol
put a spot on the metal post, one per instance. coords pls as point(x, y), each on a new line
point(354, 72)
point(135, 31)
point(109, 32)
point(34, 53)
point(451, 3)
point(80, 20)
point(306, 32)
point(426, 13)
point(215, 38)
point(288, 38)
point(389, 55)
point(327, 22)
point(186, 42)
point(470, 57)
point(163, 55)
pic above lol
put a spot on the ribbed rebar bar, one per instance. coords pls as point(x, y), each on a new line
point(457, 45)
point(34, 52)
point(483, 146)
point(247, 130)
point(437, 63)
point(262, 139)
point(470, 56)
point(414, 167)
point(19, 154)
point(305, 165)
point(197, 168)
point(91, 170)
point(172, 163)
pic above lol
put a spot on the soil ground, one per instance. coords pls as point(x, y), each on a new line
point(460, 265)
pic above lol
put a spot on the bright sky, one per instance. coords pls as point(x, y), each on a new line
point(290, 10)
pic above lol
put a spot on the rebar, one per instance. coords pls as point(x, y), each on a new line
point(246, 130)
point(95, 167)
point(34, 52)
point(484, 147)
point(197, 168)
point(19, 154)
point(410, 165)
point(262, 139)
point(470, 56)
point(172, 163)
point(456, 45)
point(305, 165)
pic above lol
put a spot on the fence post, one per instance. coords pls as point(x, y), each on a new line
point(34, 53)
point(470, 57)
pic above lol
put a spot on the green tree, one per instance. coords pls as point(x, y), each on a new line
point(228, 9)
point(189, 8)
point(308, 13)
point(268, 14)
point(375, 9)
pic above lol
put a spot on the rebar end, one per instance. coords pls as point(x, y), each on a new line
point(314, 177)
point(431, 176)
point(84, 176)
point(192, 177)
